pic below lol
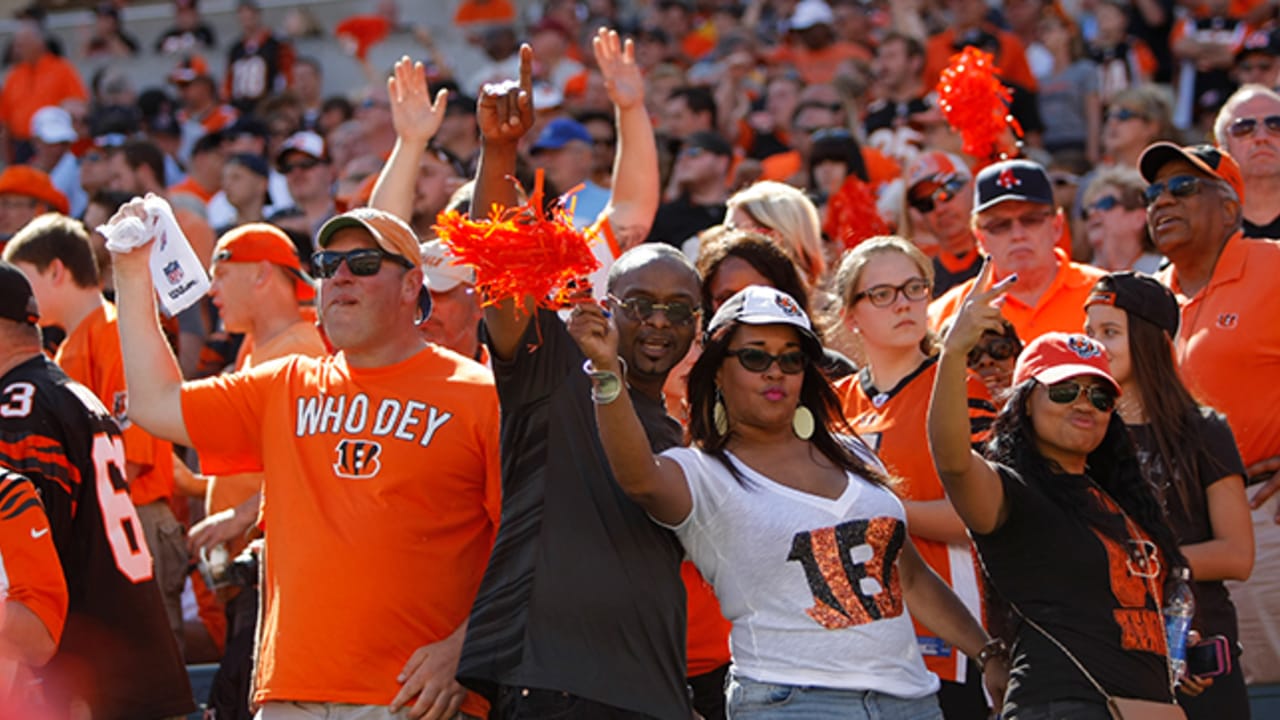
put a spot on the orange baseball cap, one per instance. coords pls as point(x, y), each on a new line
point(936, 166)
point(1212, 160)
point(390, 232)
point(29, 182)
point(1057, 356)
point(255, 242)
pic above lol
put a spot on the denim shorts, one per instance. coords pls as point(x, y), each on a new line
point(752, 700)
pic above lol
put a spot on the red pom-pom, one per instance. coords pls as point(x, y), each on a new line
point(522, 252)
point(976, 104)
point(852, 215)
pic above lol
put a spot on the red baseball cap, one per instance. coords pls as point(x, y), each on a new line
point(29, 182)
point(1057, 356)
point(255, 242)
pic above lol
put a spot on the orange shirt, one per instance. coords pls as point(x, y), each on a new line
point(189, 186)
point(1060, 308)
point(31, 86)
point(301, 338)
point(32, 571)
point(91, 356)
point(1011, 61)
point(818, 66)
point(892, 422)
point(381, 501)
point(1228, 346)
point(707, 639)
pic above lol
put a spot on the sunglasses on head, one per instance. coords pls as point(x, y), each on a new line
point(998, 349)
point(885, 295)
point(304, 164)
point(757, 360)
point(639, 308)
point(1240, 127)
point(1179, 186)
point(944, 192)
point(1122, 114)
point(361, 261)
point(1100, 396)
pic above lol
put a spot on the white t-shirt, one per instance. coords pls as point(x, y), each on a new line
point(810, 584)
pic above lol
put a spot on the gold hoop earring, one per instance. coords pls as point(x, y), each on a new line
point(802, 423)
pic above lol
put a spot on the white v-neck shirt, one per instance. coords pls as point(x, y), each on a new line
point(803, 578)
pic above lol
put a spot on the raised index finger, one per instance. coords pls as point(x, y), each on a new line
point(526, 69)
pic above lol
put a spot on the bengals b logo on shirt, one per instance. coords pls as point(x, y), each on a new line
point(847, 592)
point(357, 459)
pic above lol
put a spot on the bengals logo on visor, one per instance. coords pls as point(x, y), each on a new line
point(787, 304)
point(357, 459)
point(1083, 347)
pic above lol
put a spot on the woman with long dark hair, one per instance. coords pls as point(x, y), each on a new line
point(1191, 462)
point(790, 519)
point(1065, 524)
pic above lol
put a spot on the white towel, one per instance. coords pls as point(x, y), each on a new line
point(177, 274)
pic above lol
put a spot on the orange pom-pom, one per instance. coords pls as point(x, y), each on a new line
point(976, 104)
point(363, 32)
point(522, 251)
point(852, 215)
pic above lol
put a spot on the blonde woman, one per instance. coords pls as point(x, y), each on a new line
point(785, 214)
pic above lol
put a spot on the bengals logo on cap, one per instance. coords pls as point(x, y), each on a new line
point(1228, 321)
point(1083, 347)
point(787, 304)
point(357, 459)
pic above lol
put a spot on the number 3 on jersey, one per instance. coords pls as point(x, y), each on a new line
point(120, 519)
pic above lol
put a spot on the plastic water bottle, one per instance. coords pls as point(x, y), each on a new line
point(1178, 611)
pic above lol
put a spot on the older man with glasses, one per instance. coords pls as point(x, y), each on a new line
point(1017, 225)
point(1227, 350)
point(1248, 127)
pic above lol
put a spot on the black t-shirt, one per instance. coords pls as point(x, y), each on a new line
point(944, 278)
point(1081, 588)
point(885, 114)
point(117, 649)
point(583, 591)
point(680, 220)
point(256, 71)
point(1218, 458)
point(1270, 231)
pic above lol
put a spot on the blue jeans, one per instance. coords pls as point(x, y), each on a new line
point(752, 700)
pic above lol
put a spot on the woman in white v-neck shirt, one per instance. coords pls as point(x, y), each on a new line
point(789, 517)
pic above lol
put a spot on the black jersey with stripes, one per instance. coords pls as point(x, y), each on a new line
point(117, 651)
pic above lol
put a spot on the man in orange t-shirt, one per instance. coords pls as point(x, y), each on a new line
point(970, 27)
point(38, 78)
point(56, 255)
point(1018, 224)
point(381, 491)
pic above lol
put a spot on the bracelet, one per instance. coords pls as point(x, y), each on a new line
point(995, 648)
point(606, 386)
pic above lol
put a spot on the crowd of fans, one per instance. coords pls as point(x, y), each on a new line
point(782, 211)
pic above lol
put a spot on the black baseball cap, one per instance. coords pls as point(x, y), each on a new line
point(17, 301)
point(1012, 180)
point(1266, 42)
point(1140, 295)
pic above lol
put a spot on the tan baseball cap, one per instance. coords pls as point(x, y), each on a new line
point(390, 232)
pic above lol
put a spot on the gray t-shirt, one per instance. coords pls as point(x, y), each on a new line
point(1062, 103)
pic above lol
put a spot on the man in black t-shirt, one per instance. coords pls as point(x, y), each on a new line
point(697, 190)
point(117, 654)
point(259, 63)
point(1242, 130)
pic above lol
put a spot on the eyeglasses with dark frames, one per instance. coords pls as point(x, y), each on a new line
point(925, 204)
point(361, 261)
point(915, 289)
point(998, 349)
point(1123, 114)
point(1102, 398)
point(640, 308)
point(1179, 186)
point(757, 360)
point(1029, 221)
point(1241, 127)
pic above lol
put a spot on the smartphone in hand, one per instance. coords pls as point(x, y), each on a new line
point(1210, 657)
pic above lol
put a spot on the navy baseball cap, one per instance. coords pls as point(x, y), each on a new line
point(1012, 180)
point(17, 301)
point(561, 132)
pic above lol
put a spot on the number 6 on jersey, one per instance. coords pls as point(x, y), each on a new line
point(120, 519)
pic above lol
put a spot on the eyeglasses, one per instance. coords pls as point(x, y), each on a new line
point(1122, 114)
point(997, 349)
point(17, 203)
point(1030, 221)
point(306, 164)
point(1102, 204)
point(639, 308)
point(368, 103)
point(1100, 396)
point(1246, 68)
point(944, 192)
point(692, 152)
point(886, 295)
point(1240, 127)
point(1179, 186)
point(361, 261)
point(757, 360)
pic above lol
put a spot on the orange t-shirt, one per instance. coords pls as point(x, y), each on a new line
point(33, 573)
point(1060, 308)
point(189, 186)
point(301, 338)
point(892, 422)
point(1228, 346)
point(818, 66)
point(1012, 60)
point(381, 501)
point(31, 86)
point(91, 356)
point(707, 637)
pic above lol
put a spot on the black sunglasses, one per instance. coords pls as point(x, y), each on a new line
point(944, 192)
point(307, 164)
point(1241, 127)
point(1180, 186)
point(639, 308)
point(1102, 204)
point(885, 295)
point(361, 261)
point(1100, 396)
point(999, 349)
point(1123, 114)
point(757, 360)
